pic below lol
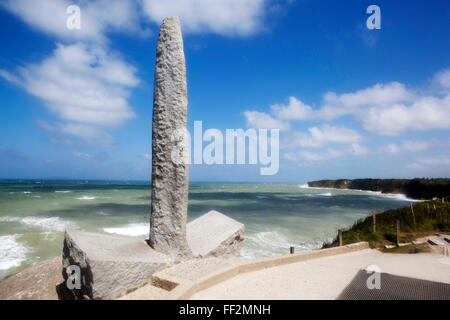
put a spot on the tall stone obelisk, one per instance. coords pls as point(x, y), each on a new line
point(169, 176)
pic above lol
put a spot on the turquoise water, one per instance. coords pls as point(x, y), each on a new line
point(34, 214)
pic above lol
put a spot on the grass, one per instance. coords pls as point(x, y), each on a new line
point(429, 218)
point(414, 248)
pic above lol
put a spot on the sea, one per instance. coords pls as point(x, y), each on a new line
point(34, 214)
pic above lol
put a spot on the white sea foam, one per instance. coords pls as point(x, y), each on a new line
point(398, 196)
point(394, 196)
point(49, 236)
point(328, 194)
point(63, 191)
point(134, 229)
point(27, 192)
point(262, 197)
point(286, 198)
point(270, 238)
point(46, 223)
point(273, 243)
point(86, 198)
point(12, 252)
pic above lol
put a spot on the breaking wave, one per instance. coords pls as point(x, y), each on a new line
point(51, 224)
point(86, 198)
point(135, 230)
point(12, 252)
point(275, 242)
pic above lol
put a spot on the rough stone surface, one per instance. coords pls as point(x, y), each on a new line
point(38, 282)
point(215, 234)
point(169, 177)
point(110, 265)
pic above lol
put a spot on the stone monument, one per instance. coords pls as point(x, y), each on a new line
point(112, 265)
point(170, 178)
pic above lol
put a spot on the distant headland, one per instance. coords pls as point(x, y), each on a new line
point(413, 188)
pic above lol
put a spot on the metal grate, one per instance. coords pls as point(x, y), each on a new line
point(395, 288)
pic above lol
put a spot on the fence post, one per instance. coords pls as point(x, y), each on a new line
point(374, 216)
point(398, 232)
point(340, 237)
point(414, 216)
point(292, 250)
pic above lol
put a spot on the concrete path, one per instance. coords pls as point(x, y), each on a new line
point(325, 278)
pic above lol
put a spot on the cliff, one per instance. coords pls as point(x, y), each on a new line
point(415, 188)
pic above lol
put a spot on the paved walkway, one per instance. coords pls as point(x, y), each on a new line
point(326, 278)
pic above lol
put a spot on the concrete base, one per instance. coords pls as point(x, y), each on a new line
point(110, 265)
point(215, 234)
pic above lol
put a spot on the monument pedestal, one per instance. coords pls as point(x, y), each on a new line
point(113, 265)
point(214, 234)
point(110, 265)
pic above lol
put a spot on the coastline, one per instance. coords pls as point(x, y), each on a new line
point(423, 189)
point(396, 196)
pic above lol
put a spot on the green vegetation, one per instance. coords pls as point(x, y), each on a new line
point(430, 217)
point(415, 188)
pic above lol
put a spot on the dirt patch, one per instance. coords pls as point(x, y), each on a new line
point(38, 282)
point(412, 248)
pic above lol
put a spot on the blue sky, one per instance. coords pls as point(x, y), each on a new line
point(350, 102)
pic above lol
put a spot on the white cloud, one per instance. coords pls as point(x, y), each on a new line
point(436, 161)
point(295, 110)
point(385, 109)
point(408, 145)
point(97, 17)
point(319, 137)
point(261, 120)
point(391, 148)
point(443, 78)
point(308, 158)
point(80, 84)
point(358, 150)
point(88, 134)
point(426, 113)
point(230, 17)
point(431, 166)
point(391, 109)
point(415, 146)
point(336, 105)
point(82, 155)
point(378, 95)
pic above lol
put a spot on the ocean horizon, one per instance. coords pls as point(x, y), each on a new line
point(35, 213)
